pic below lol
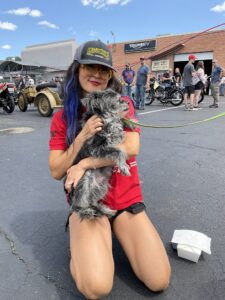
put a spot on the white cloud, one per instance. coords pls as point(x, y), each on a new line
point(93, 33)
point(48, 24)
point(25, 11)
point(7, 47)
point(7, 26)
point(102, 3)
point(35, 13)
point(219, 8)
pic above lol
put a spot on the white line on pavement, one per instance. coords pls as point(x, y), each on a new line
point(168, 108)
point(158, 110)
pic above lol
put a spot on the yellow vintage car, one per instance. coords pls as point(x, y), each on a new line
point(44, 96)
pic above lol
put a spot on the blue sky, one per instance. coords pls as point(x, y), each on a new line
point(29, 22)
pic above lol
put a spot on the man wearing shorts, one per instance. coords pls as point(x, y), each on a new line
point(188, 74)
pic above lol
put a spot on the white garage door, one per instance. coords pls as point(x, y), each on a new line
point(199, 55)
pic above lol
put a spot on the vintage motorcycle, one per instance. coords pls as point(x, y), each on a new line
point(165, 94)
point(7, 97)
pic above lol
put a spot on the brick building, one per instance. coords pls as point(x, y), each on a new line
point(171, 51)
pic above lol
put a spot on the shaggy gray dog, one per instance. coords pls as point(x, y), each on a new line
point(86, 197)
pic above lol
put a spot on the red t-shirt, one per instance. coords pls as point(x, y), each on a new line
point(124, 190)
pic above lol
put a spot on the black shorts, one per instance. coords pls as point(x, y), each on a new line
point(199, 86)
point(189, 89)
point(134, 209)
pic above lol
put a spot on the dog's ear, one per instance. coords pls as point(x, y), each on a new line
point(123, 105)
point(90, 100)
point(85, 101)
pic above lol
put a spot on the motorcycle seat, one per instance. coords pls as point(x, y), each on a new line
point(44, 85)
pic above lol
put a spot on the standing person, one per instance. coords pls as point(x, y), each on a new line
point(177, 75)
point(20, 83)
point(199, 81)
point(141, 81)
point(128, 77)
point(189, 88)
point(222, 86)
point(215, 82)
point(92, 264)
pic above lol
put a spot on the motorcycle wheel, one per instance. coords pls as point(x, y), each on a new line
point(149, 98)
point(10, 106)
point(201, 98)
point(160, 94)
point(44, 106)
point(22, 102)
point(176, 98)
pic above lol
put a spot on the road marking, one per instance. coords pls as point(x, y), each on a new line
point(16, 130)
point(168, 108)
point(158, 110)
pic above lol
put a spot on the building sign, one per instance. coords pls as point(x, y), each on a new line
point(160, 65)
point(140, 46)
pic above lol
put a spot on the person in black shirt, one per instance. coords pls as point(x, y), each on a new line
point(177, 75)
point(167, 78)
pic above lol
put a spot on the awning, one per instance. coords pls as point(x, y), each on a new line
point(166, 52)
point(19, 66)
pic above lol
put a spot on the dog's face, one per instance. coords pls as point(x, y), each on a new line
point(104, 101)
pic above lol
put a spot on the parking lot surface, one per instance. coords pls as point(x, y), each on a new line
point(182, 171)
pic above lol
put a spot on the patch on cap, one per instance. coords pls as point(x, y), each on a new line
point(98, 52)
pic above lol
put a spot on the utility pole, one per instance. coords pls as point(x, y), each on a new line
point(114, 41)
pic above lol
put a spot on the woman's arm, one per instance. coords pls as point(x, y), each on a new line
point(60, 161)
point(130, 146)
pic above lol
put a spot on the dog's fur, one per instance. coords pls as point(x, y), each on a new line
point(93, 186)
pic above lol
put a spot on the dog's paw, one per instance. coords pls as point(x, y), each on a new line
point(125, 169)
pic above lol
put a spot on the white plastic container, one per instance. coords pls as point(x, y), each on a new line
point(188, 252)
point(190, 244)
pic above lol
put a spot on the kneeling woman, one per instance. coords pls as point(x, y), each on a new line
point(92, 265)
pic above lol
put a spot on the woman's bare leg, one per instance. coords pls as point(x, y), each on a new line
point(144, 249)
point(91, 265)
point(197, 96)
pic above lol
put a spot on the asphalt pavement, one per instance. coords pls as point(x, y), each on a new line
point(183, 178)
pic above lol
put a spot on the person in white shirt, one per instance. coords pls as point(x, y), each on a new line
point(199, 82)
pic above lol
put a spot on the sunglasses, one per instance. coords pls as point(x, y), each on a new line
point(102, 70)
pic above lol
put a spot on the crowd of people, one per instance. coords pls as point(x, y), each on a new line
point(193, 80)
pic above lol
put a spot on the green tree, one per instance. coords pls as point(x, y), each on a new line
point(13, 58)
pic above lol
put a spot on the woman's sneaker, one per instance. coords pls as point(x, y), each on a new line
point(195, 108)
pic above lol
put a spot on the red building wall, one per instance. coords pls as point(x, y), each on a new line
point(213, 41)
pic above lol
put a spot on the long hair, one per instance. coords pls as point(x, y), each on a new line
point(200, 64)
point(72, 93)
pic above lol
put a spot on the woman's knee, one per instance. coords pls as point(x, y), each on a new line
point(92, 286)
point(160, 282)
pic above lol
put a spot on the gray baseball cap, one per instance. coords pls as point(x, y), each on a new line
point(94, 52)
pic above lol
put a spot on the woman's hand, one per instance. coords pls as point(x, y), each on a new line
point(74, 174)
point(91, 127)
